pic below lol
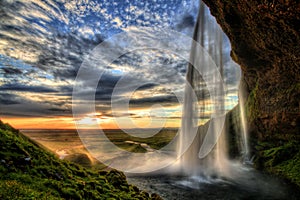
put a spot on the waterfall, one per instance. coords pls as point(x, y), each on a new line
point(244, 128)
point(216, 163)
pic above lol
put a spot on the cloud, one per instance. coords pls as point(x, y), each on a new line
point(147, 86)
point(9, 99)
point(32, 106)
point(188, 21)
point(56, 110)
point(9, 71)
point(27, 88)
point(118, 21)
point(166, 99)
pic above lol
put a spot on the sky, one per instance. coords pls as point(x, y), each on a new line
point(43, 43)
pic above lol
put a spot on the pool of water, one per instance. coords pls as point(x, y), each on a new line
point(250, 184)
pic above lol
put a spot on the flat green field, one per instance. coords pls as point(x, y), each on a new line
point(68, 145)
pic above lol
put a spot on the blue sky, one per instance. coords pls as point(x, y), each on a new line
point(44, 42)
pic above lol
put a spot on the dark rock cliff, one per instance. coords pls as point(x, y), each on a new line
point(265, 39)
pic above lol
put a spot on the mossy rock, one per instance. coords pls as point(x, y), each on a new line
point(282, 160)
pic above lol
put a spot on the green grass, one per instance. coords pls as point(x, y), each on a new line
point(28, 171)
point(158, 141)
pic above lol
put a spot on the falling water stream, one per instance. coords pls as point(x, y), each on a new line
point(211, 175)
point(215, 163)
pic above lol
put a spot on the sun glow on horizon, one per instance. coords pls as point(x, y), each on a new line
point(155, 117)
point(40, 122)
point(87, 122)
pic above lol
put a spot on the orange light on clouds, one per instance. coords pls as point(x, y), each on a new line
point(56, 123)
point(97, 120)
point(40, 122)
point(85, 123)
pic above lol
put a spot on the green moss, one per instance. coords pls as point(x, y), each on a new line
point(282, 160)
point(290, 169)
point(251, 105)
point(12, 189)
point(29, 172)
point(298, 86)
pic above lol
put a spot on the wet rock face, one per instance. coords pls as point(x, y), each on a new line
point(265, 39)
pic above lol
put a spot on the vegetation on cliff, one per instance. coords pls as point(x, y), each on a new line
point(31, 172)
point(281, 159)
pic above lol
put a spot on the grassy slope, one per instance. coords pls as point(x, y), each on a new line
point(30, 172)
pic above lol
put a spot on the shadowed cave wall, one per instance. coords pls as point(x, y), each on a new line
point(265, 42)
